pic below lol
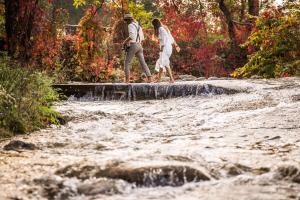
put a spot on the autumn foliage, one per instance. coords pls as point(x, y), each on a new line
point(275, 44)
point(216, 38)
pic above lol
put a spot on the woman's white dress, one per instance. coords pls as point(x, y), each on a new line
point(165, 39)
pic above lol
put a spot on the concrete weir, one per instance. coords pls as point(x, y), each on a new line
point(139, 91)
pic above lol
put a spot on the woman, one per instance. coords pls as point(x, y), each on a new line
point(166, 41)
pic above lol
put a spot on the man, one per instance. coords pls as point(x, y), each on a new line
point(133, 47)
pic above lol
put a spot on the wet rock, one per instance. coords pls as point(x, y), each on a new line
point(288, 173)
point(100, 147)
point(234, 170)
point(275, 138)
point(238, 169)
point(102, 186)
point(142, 177)
point(57, 145)
point(77, 171)
point(17, 145)
point(52, 187)
point(165, 79)
point(213, 78)
point(296, 98)
point(200, 79)
point(143, 91)
point(187, 77)
point(255, 77)
point(62, 120)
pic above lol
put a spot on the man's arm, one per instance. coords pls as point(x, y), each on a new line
point(126, 41)
point(130, 37)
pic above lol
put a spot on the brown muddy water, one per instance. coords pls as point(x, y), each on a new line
point(238, 146)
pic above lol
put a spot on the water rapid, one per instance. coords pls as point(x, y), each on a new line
point(238, 145)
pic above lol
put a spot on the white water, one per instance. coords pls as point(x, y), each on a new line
point(238, 140)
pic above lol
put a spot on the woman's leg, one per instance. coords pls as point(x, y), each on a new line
point(159, 74)
point(170, 74)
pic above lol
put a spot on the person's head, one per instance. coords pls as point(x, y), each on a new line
point(156, 24)
point(128, 18)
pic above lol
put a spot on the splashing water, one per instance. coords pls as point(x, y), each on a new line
point(241, 145)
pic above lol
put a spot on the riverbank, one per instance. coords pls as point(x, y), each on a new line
point(26, 98)
point(237, 146)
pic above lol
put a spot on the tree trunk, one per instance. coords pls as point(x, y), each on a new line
point(229, 23)
point(19, 24)
point(11, 16)
point(243, 8)
point(253, 7)
point(239, 54)
point(125, 6)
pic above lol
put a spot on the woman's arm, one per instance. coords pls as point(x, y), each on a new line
point(176, 46)
point(173, 40)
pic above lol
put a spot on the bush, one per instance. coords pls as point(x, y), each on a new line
point(25, 99)
point(276, 43)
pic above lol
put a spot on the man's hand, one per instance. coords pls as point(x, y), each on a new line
point(125, 43)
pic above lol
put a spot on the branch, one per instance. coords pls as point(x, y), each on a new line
point(98, 8)
point(229, 22)
point(175, 6)
point(242, 23)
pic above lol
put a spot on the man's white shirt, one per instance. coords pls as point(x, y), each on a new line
point(133, 28)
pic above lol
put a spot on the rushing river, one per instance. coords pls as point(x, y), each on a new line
point(239, 146)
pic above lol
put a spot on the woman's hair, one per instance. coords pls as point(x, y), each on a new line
point(128, 21)
point(156, 24)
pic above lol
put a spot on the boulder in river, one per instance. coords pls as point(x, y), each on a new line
point(148, 176)
point(17, 145)
point(288, 172)
point(101, 186)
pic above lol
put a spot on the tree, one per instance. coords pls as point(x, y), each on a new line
point(20, 17)
point(253, 7)
point(11, 14)
point(275, 44)
point(229, 22)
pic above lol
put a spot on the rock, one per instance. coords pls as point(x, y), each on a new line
point(103, 186)
point(233, 170)
point(213, 78)
point(144, 91)
point(17, 145)
point(187, 77)
point(226, 78)
point(58, 188)
point(296, 98)
point(62, 120)
point(51, 186)
point(150, 176)
point(255, 77)
point(275, 138)
point(238, 169)
point(200, 79)
point(165, 79)
point(288, 173)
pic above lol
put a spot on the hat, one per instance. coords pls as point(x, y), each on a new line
point(128, 16)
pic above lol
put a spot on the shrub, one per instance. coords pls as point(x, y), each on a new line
point(25, 99)
point(276, 43)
